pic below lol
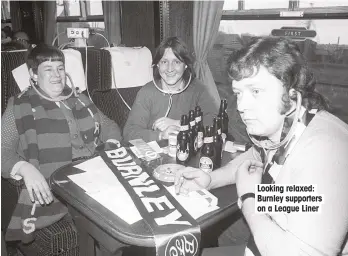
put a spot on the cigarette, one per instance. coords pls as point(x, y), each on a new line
point(62, 181)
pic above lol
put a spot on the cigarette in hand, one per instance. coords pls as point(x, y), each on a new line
point(179, 184)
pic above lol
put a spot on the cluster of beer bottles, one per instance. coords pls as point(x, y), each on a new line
point(193, 139)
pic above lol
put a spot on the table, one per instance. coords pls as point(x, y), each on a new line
point(96, 223)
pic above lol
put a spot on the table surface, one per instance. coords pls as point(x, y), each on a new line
point(138, 233)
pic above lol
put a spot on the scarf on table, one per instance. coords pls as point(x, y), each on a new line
point(45, 138)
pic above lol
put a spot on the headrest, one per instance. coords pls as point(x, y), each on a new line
point(131, 66)
point(73, 66)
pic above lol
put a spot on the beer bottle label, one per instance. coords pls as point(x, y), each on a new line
point(182, 155)
point(208, 140)
point(206, 164)
point(193, 123)
point(200, 139)
point(184, 128)
point(198, 119)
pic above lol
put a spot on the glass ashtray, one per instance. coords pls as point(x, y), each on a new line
point(166, 172)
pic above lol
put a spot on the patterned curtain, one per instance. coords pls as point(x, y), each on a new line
point(16, 18)
point(38, 7)
point(112, 20)
point(49, 21)
point(206, 21)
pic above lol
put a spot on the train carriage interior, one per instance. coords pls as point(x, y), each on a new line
point(109, 46)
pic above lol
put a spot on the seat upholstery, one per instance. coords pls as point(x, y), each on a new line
point(111, 104)
point(9, 88)
point(98, 69)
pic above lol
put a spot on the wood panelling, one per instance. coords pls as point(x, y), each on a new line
point(138, 24)
point(141, 21)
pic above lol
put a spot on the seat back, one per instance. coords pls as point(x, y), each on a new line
point(111, 104)
point(98, 68)
point(129, 69)
point(9, 87)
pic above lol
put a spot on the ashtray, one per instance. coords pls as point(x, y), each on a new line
point(166, 172)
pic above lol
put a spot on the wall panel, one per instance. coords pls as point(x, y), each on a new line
point(181, 20)
point(138, 24)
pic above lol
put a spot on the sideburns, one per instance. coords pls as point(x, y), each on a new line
point(286, 103)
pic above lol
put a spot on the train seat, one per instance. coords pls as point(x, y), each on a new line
point(130, 68)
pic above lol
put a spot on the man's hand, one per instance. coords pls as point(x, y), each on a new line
point(189, 179)
point(249, 174)
point(171, 129)
point(163, 123)
point(34, 180)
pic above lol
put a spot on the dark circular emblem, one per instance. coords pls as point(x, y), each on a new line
point(182, 244)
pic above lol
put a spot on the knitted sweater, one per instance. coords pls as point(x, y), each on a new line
point(152, 104)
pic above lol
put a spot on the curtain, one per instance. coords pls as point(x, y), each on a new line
point(16, 16)
point(112, 20)
point(37, 7)
point(50, 15)
point(206, 21)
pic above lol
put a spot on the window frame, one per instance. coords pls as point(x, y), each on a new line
point(334, 12)
point(4, 21)
point(84, 17)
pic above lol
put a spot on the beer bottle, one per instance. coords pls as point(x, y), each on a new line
point(224, 119)
point(199, 127)
point(208, 153)
point(217, 141)
point(182, 150)
point(184, 132)
point(192, 131)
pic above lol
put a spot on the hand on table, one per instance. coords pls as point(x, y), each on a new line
point(190, 179)
point(171, 129)
point(164, 122)
point(249, 174)
point(34, 180)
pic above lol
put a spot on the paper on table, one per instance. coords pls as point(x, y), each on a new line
point(121, 205)
point(153, 144)
point(97, 176)
point(229, 147)
point(195, 203)
point(95, 164)
point(102, 185)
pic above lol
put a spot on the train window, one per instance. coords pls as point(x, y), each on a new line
point(320, 33)
point(68, 8)
point(79, 10)
point(81, 14)
point(5, 11)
